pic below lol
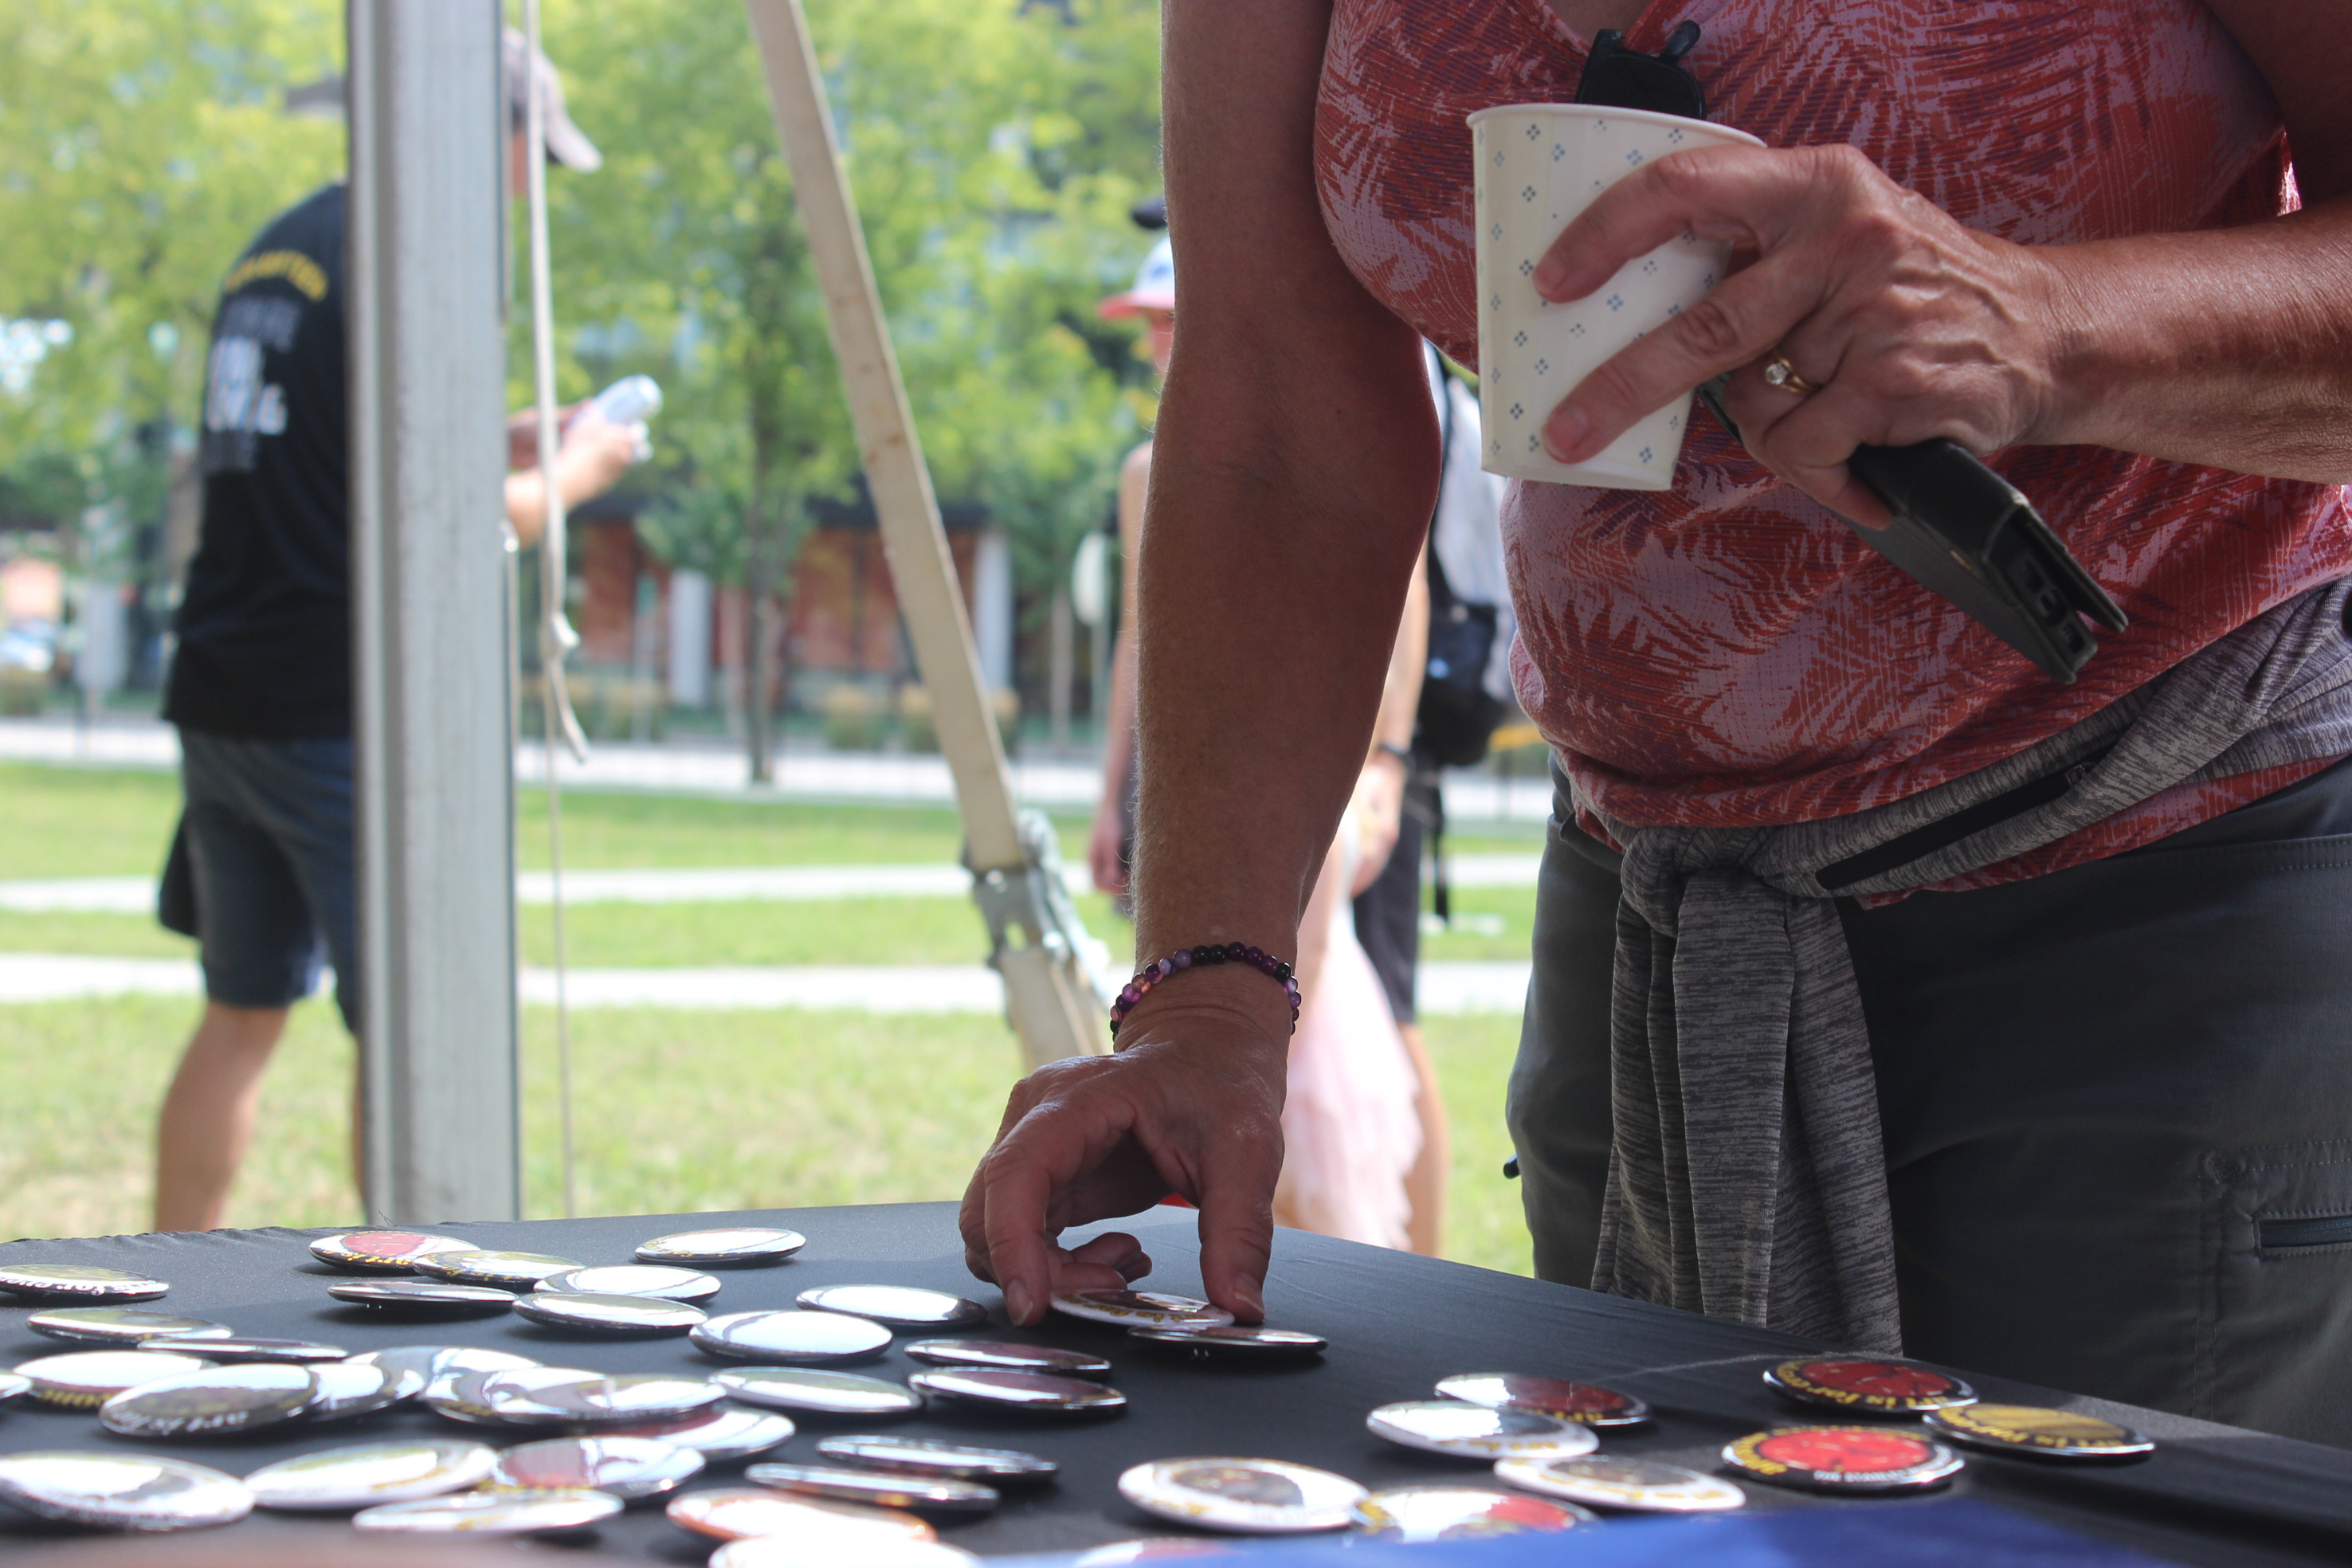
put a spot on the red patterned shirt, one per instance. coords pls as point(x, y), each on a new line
point(1727, 653)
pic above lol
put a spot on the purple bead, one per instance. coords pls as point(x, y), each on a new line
point(1254, 954)
point(1180, 959)
point(1130, 995)
point(1235, 949)
point(1162, 970)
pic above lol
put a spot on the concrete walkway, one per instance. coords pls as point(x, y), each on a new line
point(686, 767)
point(1445, 988)
point(762, 884)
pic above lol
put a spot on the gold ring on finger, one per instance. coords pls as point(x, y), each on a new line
point(1779, 373)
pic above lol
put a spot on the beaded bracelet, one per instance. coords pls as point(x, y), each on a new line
point(1184, 958)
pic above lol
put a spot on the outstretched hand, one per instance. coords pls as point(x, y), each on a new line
point(1911, 324)
point(1191, 1107)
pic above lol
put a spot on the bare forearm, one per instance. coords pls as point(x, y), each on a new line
point(2231, 348)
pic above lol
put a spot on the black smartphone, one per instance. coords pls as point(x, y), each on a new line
point(1959, 529)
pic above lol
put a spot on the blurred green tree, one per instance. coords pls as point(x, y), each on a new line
point(995, 150)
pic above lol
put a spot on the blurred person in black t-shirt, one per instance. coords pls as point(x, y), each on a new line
point(261, 869)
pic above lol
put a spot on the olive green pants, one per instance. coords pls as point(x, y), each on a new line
point(2116, 1100)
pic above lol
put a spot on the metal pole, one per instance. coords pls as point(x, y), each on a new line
point(1055, 1009)
point(427, 346)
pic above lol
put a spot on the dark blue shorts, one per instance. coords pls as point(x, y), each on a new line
point(267, 831)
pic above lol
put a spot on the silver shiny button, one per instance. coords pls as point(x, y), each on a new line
point(1473, 1432)
point(283, 1352)
point(740, 1513)
point(1029, 1393)
point(1245, 1496)
point(1587, 1404)
point(423, 1298)
point(74, 1282)
point(216, 1402)
point(348, 1388)
point(930, 1457)
point(595, 1397)
point(627, 1467)
point(793, 1338)
point(84, 1380)
point(817, 1390)
point(1640, 1486)
point(492, 1513)
point(506, 1271)
point(121, 1492)
point(670, 1284)
point(899, 1306)
point(1231, 1341)
point(922, 1494)
point(582, 1313)
point(722, 1432)
point(466, 1396)
point(443, 1361)
point(11, 1386)
point(730, 1247)
point(1006, 1356)
point(1130, 1308)
point(123, 1325)
point(383, 1251)
point(338, 1480)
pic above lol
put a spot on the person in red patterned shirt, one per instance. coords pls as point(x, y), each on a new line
point(1885, 991)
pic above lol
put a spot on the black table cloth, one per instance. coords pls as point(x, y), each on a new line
point(2211, 1494)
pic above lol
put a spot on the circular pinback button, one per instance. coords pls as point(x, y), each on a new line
point(1473, 1432)
point(216, 1402)
point(284, 1352)
point(122, 1491)
point(337, 1480)
point(423, 1298)
point(597, 1398)
point(1460, 1513)
point(73, 1282)
point(84, 1380)
point(1131, 1308)
point(1005, 1356)
point(504, 1270)
point(2040, 1431)
point(792, 1338)
point(900, 1306)
point(690, 1285)
point(1027, 1393)
point(732, 1247)
point(1876, 1388)
point(1586, 1403)
point(922, 1494)
point(739, 1514)
point(464, 1396)
point(501, 1513)
point(1245, 1496)
point(12, 1386)
point(427, 1361)
point(1604, 1480)
point(580, 1312)
point(786, 1552)
point(929, 1456)
point(1843, 1459)
point(1231, 1341)
point(720, 1434)
point(348, 1388)
point(817, 1390)
point(383, 1251)
point(123, 1326)
point(627, 1468)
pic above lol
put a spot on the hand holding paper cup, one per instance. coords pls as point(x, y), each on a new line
point(1538, 165)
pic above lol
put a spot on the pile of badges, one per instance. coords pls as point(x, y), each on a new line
point(568, 1447)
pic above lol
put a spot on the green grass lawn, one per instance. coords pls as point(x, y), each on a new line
point(677, 1111)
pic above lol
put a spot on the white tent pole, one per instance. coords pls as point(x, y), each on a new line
point(1055, 1009)
point(434, 761)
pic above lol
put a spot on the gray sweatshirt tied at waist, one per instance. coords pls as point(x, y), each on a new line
point(1747, 1178)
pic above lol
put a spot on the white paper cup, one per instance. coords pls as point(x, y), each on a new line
point(1538, 165)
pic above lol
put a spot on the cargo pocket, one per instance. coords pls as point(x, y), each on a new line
point(2274, 1347)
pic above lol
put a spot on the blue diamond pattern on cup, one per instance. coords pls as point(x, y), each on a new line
point(1650, 265)
point(1532, 443)
point(1534, 131)
point(1615, 301)
point(1527, 195)
point(1576, 329)
point(1521, 339)
point(1496, 232)
point(1707, 282)
point(1526, 267)
point(1496, 303)
point(1557, 151)
point(1498, 157)
point(1543, 367)
point(1674, 422)
point(1519, 411)
point(1674, 132)
point(1645, 454)
point(1634, 157)
point(1690, 238)
point(1674, 309)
